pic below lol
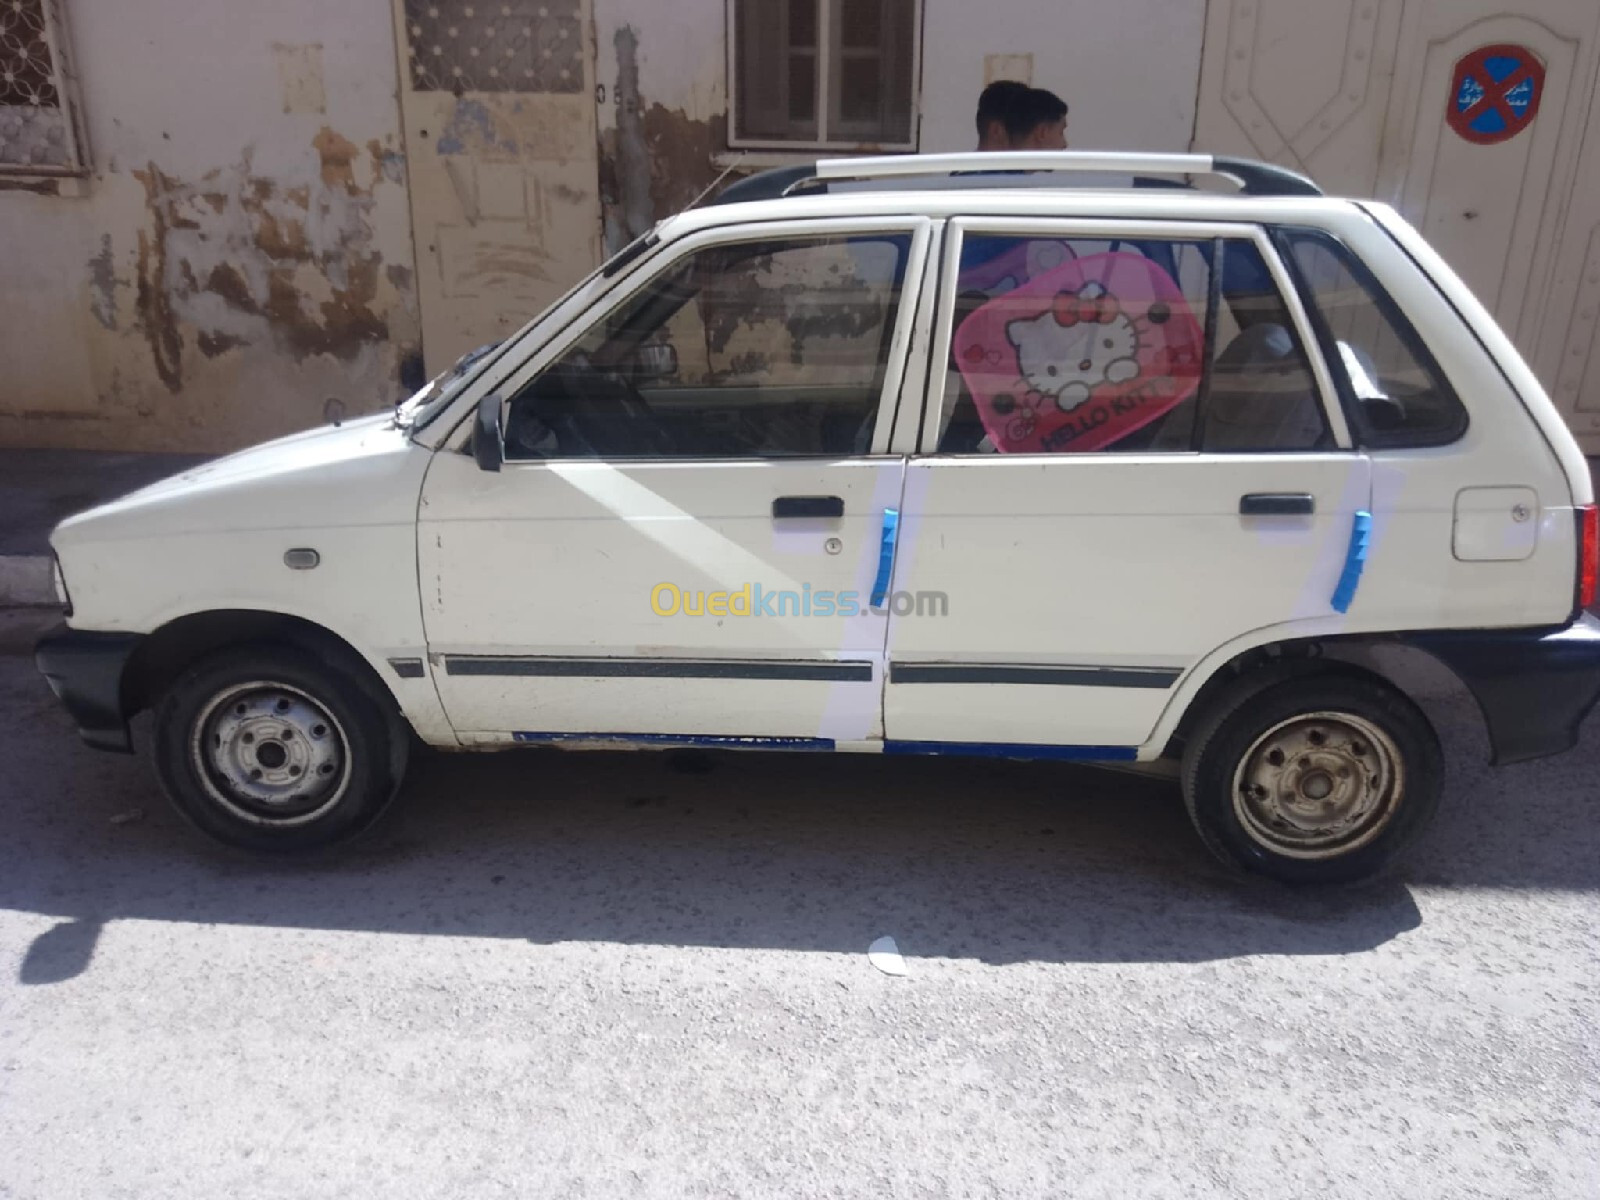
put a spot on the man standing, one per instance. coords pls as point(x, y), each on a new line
point(1014, 116)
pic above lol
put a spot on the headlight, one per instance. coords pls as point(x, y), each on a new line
point(60, 582)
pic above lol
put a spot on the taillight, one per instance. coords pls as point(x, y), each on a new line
point(1588, 554)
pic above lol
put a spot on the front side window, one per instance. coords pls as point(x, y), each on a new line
point(824, 72)
point(1081, 345)
point(1396, 393)
point(773, 348)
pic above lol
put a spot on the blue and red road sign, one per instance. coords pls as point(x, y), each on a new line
point(1495, 93)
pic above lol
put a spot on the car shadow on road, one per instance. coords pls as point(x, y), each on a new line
point(958, 858)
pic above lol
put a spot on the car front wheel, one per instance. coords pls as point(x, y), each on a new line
point(269, 749)
point(1319, 779)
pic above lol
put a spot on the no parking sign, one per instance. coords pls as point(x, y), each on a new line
point(1495, 93)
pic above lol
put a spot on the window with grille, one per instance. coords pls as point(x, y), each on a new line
point(495, 45)
point(828, 74)
point(39, 128)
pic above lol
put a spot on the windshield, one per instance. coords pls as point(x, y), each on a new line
point(419, 409)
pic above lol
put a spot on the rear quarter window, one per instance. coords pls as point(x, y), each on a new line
point(1392, 389)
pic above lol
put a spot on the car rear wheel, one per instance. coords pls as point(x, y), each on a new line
point(1319, 779)
point(269, 749)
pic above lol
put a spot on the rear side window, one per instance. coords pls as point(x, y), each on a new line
point(1394, 392)
point(1085, 345)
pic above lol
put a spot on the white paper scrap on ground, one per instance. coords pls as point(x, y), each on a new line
point(885, 955)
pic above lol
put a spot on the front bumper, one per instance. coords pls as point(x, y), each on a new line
point(1533, 686)
point(85, 671)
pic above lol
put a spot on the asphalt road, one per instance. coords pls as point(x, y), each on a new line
point(560, 975)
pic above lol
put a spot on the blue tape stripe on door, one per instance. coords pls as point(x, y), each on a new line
point(880, 586)
point(1355, 560)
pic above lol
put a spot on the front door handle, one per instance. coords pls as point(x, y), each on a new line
point(788, 508)
point(1277, 504)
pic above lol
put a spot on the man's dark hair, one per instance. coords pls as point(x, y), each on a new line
point(998, 102)
point(1019, 108)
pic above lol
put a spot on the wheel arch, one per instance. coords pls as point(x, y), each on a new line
point(1414, 671)
point(166, 652)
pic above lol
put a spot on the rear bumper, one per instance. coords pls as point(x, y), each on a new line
point(1533, 686)
point(85, 671)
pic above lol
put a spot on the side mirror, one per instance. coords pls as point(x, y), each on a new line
point(488, 435)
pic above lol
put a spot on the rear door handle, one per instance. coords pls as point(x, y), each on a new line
point(1277, 504)
point(786, 508)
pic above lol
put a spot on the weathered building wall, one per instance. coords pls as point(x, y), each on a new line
point(1130, 72)
point(663, 108)
point(241, 258)
point(240, 261)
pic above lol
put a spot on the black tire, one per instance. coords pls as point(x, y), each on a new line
point(270, 749)
point(1254, 773)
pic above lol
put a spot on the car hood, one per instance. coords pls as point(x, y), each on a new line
point(362, 472)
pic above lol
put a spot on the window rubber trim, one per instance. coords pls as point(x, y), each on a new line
point(620, 291)
point(1208, 347)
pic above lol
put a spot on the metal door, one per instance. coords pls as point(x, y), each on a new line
point(500, 143)
point(1408, 112)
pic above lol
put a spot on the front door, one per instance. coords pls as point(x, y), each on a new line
point(1127, 464)
point(684, 539)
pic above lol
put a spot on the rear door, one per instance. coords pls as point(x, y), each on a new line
point(1131, 456)
point(684, 536)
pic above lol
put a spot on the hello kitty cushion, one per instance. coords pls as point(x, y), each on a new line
point(1080, 356)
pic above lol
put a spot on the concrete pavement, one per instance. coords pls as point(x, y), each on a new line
point(598, 975)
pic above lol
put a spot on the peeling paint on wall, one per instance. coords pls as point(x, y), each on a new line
point(473, 130)
point(243, 259)
point(103, 285)
point(632, 157)
point(242, 251)
point(154, 305)
point(270, 274)
point(387, 164)
point(338, 156)
point(656, 160)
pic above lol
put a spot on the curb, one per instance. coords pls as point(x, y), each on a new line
point(25, 581)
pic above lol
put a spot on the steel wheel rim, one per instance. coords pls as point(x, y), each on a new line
point(1318, 785)
point(270, 753)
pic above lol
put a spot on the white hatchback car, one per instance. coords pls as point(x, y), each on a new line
point(1006, 465)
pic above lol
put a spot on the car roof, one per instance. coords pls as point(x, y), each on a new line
point(1027, 202)
point(1105, 185)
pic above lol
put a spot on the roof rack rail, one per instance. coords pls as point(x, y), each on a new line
point(1254, 178)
